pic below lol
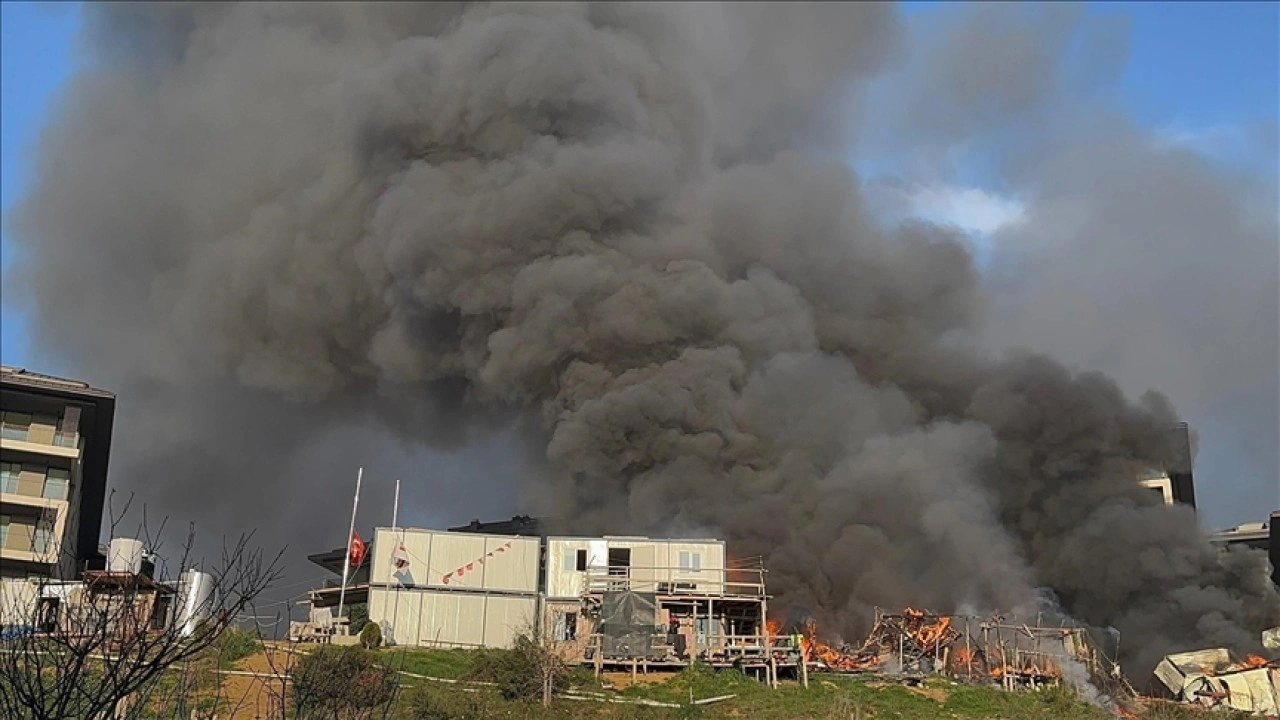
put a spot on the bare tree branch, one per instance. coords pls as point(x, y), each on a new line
point(106, 650)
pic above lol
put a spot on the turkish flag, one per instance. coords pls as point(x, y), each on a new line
point(356, 550)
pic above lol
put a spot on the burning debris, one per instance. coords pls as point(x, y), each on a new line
point(912, 639)
point(1016, 655)
point(995, 650)
point(1213, 678)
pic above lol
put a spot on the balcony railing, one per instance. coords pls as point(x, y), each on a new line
point(713, 646)
point(677, 581)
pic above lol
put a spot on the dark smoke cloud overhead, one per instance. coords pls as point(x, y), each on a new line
point(621, 234)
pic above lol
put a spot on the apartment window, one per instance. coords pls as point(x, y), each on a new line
point(68, 427)
point(40, 539)
point(14, 426)
point(581, 561)
point(56, 484)
point(4, 530)
point(9, 473)
point(690, 561)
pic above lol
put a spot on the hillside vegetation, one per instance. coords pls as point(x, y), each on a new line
point(828, 697)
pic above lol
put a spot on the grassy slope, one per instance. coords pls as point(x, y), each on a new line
point(828, 697)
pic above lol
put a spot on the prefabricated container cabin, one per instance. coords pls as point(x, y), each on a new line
point(453, 589)
point(466, 588)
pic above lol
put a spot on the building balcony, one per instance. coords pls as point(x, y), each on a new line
point(39, 448)
point(30, 501)
point(32, 528)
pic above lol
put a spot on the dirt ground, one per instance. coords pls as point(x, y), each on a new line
point(622, 680)
point(259, 696)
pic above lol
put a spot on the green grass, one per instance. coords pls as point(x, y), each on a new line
point(449, 664)
point(829, 697)
point(838, 696)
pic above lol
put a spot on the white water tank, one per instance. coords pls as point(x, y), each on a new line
point(196, 597)
point(125, 555)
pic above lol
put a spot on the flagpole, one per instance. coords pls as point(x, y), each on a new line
point(387, 597)
point(397, 538)
point(395, 507)
point(346, 559)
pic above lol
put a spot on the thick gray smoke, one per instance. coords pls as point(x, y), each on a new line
point(621, 232)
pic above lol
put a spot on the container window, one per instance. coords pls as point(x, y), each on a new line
point(565, 627)
point(690, 561)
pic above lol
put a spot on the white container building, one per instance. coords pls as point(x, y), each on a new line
point(453, 589)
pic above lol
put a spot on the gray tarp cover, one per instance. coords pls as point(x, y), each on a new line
point(627, 622)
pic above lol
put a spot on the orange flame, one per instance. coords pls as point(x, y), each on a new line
point(773, 626)
point(817, 650)
point(1254, 661)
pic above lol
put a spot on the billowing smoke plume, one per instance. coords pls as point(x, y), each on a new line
point(622, 232)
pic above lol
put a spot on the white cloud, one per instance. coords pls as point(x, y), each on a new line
point(976, 211)
point(1223, 142)
point(971, 209)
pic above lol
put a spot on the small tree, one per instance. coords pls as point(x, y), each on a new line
point(371, 636)
point(341, 682)
point(357, 617)
point(105, 654)
point(531, 669)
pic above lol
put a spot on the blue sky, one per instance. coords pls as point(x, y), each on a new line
point(35, 60)
point(1196, 72)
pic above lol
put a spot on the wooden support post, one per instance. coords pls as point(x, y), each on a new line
point(693, 634)
point(968, 649)
point(633, 670)
point(711, 631)
point(804, 665)
point(768, 641)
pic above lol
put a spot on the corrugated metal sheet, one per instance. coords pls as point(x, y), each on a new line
point(443, 618)
point(457, 560)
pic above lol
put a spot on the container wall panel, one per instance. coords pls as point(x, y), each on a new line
point(452, 619)
point(455, 560)
point(511, 564)
point(564, 580)
point(399, 614)
point(709, 561)
point(458, 560)
point(506, 618)
point(417, 543)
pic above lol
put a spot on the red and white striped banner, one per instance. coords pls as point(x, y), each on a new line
point(471, 566)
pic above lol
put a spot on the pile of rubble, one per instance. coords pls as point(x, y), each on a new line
point(1213, 678)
